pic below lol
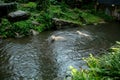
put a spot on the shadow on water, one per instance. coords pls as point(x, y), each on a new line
point(48, 55)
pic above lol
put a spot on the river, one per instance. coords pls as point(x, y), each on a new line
point(47, 56)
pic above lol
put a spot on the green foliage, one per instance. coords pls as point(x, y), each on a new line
point(82, 75)
point(40, 28)
point(30, 6)
point(44, 16)
point(101, 14)
point(43, 5)
point(22, 27)
point(5, 28)
point(105, 17)
point(45, 19)
point(54, 2)
point(79, 17)
point(10, 29)
point(101, 68)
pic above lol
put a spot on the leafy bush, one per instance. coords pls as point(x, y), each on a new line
point(79, 17)
point(40, 28)
point(54, 2)
point(22, 27)
point(101, 14)
point(101, 68)
point(43, 5)
point(5, 28)
point(8, 29)
point(30, 6)
point(45, 19)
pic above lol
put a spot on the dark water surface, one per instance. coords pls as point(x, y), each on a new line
point(48, 55)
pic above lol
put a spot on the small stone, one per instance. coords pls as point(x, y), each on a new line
point(95, 23)
point(17, 35)
point(35, 23)
point(84, 24)
point(33, 32)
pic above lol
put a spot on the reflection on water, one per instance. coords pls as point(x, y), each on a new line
point(48, 56)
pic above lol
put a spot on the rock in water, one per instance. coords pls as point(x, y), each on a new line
point(5, 8)
point(33, 32)
point(18, 16)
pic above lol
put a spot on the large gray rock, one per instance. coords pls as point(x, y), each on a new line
point(5, 8)
point(18, 16)
point(62, 24)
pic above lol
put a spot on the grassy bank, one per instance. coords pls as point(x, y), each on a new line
point(105, 67)
point(44, 19)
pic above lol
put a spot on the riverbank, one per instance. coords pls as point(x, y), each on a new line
point(42, 20)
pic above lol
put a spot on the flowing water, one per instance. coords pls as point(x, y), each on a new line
point(48, 55)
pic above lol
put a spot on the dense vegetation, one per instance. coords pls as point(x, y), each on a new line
point(105, 67)
point(42, 12)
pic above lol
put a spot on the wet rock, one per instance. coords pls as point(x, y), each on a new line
point(18, 16)
point(5, 8)
point(83, 34)
point(62, 24)
point(33, 32)
point(17, 35)
point(68, 75)
point(68, 78)
point(56, 38)
point(95, 24)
